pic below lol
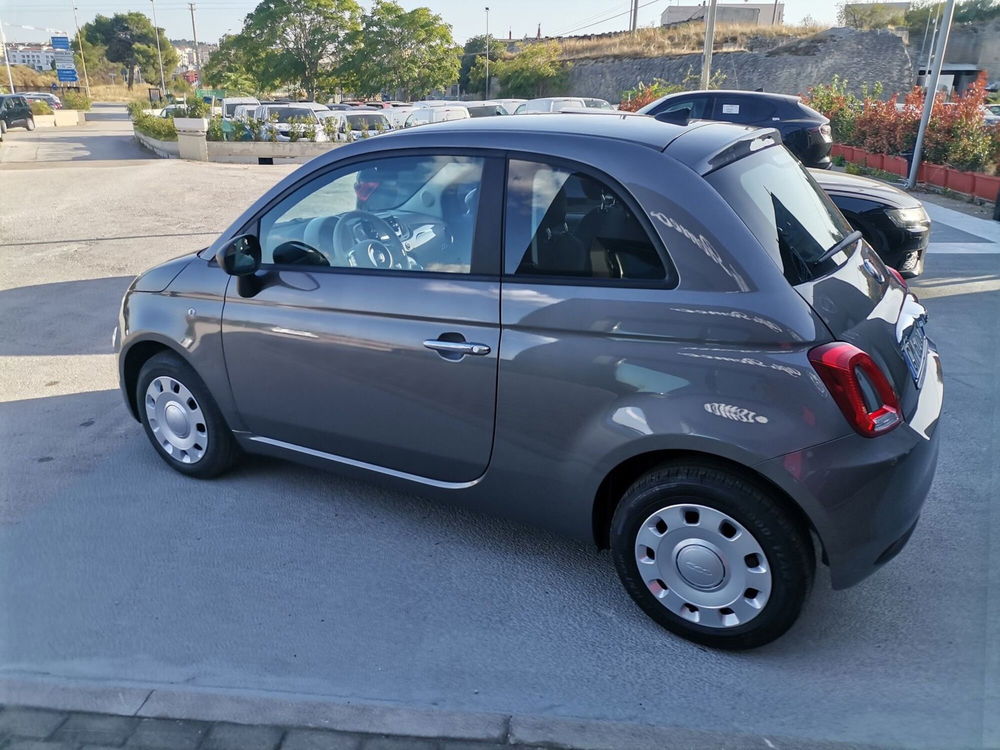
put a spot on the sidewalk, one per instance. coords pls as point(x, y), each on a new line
point(63, 714)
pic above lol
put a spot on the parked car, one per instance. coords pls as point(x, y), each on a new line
point(892, 221)
point(397, 116)
point(43, 96)
point(230, 103)
point(350, 126)
point(509, 105)
point(991, 114)
point(432, 103)
point(558, 104)
point(15, 112)
point(662, 339)
point(485, 110)
point(279, 121)
point(804, 131)
point(426, 115)
point(173, 110)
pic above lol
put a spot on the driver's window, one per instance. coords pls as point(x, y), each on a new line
point(406, 213)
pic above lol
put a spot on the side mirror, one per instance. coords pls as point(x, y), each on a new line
point(240, 256)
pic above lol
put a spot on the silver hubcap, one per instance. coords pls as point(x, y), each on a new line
point(176, 420)
point(703, 565)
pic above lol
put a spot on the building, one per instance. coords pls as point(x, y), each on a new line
point(751, 14)
point(187, 60)
point(39, 57)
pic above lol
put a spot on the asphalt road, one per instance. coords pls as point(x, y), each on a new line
point(276, 577)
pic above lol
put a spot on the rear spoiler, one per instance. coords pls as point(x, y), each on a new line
point(712, 146)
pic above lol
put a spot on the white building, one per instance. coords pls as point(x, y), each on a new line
point(35, 56)
point(752, 14)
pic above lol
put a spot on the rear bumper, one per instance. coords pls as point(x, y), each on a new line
point(864, 496)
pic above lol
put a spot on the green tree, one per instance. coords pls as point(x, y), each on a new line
point(867, 15)
point(408, 50)
point(236, 67)
point(966, 11)
point(129, 39)
point(99, 68)
point(474, 53)
point(301, 42)
point(534, 71)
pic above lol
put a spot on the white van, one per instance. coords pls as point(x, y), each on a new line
point(230, 103)
point(427, 115)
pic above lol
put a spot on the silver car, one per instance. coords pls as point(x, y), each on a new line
point(662, 339)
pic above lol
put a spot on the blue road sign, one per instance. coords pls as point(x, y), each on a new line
point(60, 42)
point(67, 75)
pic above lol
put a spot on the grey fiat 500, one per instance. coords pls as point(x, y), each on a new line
point(662, 339)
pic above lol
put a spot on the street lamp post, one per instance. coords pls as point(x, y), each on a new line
point(6, 58)
point(159, 55)
point(487, 52)
point(83, 57)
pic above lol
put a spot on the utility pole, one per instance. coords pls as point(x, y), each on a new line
point(197, 56)
point(6, 58)
point(487, 52)
point(159, 55)
point(930, 92)
point(83, 57)
point(635, 16)
point(706, 60)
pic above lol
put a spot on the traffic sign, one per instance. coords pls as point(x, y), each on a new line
point(60, 42)
point(64, 60)
point(67, 75)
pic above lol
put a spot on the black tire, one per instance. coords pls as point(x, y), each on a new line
point(3, 126)
point(221, 452)
point(786, 545)
point(917, 269)
point(30, 123)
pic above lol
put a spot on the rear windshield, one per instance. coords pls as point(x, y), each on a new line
point(368, 122)
point(786, 210)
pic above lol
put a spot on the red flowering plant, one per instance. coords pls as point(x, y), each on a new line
point(957, 133)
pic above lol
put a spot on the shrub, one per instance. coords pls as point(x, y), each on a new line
point(136, 107)
point(956, 135)
point(75, 100)
point(197, 107)
point(215, 131)
point(40, 108)
point(161, 128)
point(642, 94)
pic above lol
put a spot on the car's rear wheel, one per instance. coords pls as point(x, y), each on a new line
point(30, 123)
point(181, 419)
point(711, 555)
point(3, 126)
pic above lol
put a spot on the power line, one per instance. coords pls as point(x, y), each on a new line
point(609, 18)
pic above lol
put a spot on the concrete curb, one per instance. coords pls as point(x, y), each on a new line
point(315, 712)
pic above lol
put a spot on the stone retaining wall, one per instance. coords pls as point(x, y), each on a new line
point(859, 56)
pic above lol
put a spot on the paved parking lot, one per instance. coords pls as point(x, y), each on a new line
point(279, 579)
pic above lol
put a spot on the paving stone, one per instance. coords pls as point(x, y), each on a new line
point(96, 729)
point(398, 743)
point(315, 739)
point(19, 744)
point(36, 723)
point(242, 737)
point(167, 734)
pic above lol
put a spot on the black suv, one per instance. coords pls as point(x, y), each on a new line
point(15, 112)
point(804, 131)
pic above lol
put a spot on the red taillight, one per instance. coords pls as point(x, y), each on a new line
point(871, 407)
point(898, 275)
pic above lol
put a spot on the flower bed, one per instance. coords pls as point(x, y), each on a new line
point(978, 184)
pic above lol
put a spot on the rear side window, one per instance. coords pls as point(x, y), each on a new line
point(562, 222)
point(786, 210)
point(742, 108)
point(696, 108)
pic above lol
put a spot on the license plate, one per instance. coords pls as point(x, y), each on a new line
point(914, 347)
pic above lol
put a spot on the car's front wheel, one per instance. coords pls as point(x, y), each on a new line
point(711, 555)
point(181, 419)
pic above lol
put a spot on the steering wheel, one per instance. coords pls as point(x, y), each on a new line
point(362, 239)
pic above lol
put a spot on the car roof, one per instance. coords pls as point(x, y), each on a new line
point(702, 140)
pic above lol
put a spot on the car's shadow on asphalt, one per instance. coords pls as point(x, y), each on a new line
point(67, 317)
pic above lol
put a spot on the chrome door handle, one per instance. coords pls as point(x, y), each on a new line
point(457, 347)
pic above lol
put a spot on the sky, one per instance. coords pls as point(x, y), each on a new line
point(519, 17)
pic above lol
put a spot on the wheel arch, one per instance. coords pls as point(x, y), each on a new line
point(132, 361)
point(621, 477)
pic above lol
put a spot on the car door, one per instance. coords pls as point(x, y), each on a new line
point(371, 331)
point(691, 106)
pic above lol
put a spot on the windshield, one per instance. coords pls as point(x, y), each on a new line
point(287, 114)
point(368, 122)
point(786, 210)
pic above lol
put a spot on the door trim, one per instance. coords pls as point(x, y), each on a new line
point(440, 484)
